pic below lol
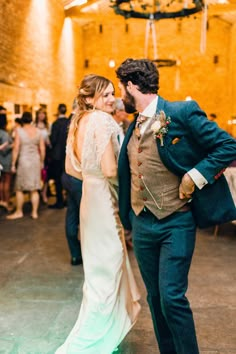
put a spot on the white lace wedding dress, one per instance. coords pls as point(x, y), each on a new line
point(110, 297)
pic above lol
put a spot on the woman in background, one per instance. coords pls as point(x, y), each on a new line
point(5, 161)
point(27, 160)
point(17, 124)
point(41, 122)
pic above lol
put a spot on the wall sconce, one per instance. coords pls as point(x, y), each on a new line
point(111, 63)
point(232, 121)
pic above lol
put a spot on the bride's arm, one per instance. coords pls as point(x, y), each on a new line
point(108, 161)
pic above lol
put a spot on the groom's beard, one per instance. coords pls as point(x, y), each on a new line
point(129, 103)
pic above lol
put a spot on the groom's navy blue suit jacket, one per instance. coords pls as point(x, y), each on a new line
point(201, 144)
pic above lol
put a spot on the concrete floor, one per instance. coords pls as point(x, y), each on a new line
point(40, 292)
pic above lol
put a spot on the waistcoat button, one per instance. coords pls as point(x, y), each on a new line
point(139, 163)
point(140, 150)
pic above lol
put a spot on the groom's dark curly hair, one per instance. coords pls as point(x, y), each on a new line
point(141, 72)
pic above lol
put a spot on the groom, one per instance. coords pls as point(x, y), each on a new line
point(171, 181)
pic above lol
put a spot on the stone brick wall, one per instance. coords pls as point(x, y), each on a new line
point(44, 55)
point(41, 54)
point(206, 77)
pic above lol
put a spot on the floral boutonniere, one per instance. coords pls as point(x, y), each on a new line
point(160, 126)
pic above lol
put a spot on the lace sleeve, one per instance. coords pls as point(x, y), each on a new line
point(105, 129)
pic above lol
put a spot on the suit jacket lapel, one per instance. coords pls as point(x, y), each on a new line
point(125, 180)
point(160, 104)
point(127, 138)
point(163, 150)
point(160, 107)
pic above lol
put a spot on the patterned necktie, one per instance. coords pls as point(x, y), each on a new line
point(138, 124)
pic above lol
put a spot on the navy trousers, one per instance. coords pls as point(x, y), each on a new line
point(73, 187)
point(164, 250)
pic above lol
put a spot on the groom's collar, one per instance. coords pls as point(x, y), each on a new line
point(150, 110)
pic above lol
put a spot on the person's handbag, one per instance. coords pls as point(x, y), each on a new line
point(44, 174)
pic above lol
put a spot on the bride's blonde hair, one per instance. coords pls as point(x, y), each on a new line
point(92, 86)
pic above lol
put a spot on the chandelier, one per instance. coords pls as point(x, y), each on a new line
point(156, 9)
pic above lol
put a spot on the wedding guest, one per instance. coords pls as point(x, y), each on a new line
point(41, 122)
point(3, 110)
point(73, 187)
point(27, 160)
point(5, 161)
point(121, 118)
point(17, 124)
point(58, 152)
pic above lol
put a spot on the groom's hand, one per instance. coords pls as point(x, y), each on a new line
point(186, 187)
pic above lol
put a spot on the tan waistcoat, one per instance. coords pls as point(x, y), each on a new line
point(152, 184)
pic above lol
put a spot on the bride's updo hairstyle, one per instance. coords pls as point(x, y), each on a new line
point(92, 86)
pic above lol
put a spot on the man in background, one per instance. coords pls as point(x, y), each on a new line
point(73, 187)
point(3, 110)
point(58, 153)
point(121, 117)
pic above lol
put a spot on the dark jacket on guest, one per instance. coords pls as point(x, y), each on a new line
point(58, 138)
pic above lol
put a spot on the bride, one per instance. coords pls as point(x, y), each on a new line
point(110, 304)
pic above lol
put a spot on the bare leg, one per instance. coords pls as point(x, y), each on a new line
point(35, 204)
point(19, 206)
point(1, 188)
point(44, 192)
point(6, 186)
